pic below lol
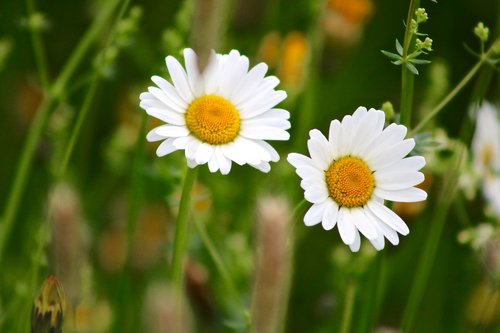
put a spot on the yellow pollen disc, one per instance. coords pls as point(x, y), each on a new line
point(213, 120)
point(350, 182)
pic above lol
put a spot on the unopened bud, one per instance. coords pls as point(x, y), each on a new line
point(47, 315)
point(421, 15)
point(388, 109)
point(482, 32)
point(424, 45)
point(413, 26)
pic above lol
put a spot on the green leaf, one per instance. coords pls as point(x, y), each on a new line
point(397, 62)
point(419, 61)
point(414, 54)
point(399, 48)
point(391, 55)
point(412, 68)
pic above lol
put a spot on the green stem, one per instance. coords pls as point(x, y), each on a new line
point(376, 290)
point(430, 249)
point(83, 46)
point(39, 50)
point(434, 112)
point(23, 169)
point(215, 256)
point(136, 183)
point(308, 102)
point(219, 265)
point(87, 102)
point(461, 211)
point(39, 122)
point(407, 77)
point(182, 230)
point(350, 298)
point(89, 97)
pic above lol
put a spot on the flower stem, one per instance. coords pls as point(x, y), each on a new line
point(219, 264)
point(350, 298)
point(407, 77)
point(182, 230)
point(23, 169)
point(83, 46)
point(434, 112)
point(39, 50)
point(429, 251)
point(309, 101)
point(40, 121)
point(89, 97)
point(374, 297)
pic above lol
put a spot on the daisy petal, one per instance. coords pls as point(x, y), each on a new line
point(314, 214)
point(330, 215)
point(298, 160)
point(165, 148)
point(411, 194)
point(172, 131)
point(346, 226)
point(363, 224)
point(357, 242)
point(153, 136)
point(398, 180)
point(388, 217)
point(180, 79)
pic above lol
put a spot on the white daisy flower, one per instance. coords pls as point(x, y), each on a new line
point(486, 153)
point(350, 174)
point(220, 116)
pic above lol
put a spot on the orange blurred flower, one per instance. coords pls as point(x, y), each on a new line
point(269, 49)
point(294, 57)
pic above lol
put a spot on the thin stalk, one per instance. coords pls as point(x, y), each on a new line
point(135, 196)
point(434, 112)
point(307, 108)
point(89, 97)
point(430, 249)
point(23, 169)
point(219, 264)
point(40, 121)
point(350, 298)
point(39, 50)
point(215, 256)
point(461, 211)
point(182, 230)
point(407, 77)
point(83, 46)
point(376, 287)
point(87, 102)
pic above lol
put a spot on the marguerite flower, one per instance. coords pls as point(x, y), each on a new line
point(350, 174)
point(486, 153)
point(220, 116)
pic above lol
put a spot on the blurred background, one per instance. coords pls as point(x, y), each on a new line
point(104, 225)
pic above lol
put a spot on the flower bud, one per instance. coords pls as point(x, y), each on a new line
point(482, 32)
point(421, 15)
point(388, 109)
point(48, 309)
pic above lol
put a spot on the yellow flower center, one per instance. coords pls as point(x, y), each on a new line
point(350, 181)
point(213, 119)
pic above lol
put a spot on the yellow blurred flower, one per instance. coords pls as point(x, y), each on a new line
point(344, 20)
point(354, 11)
point(294, 57)
point(270, 49)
